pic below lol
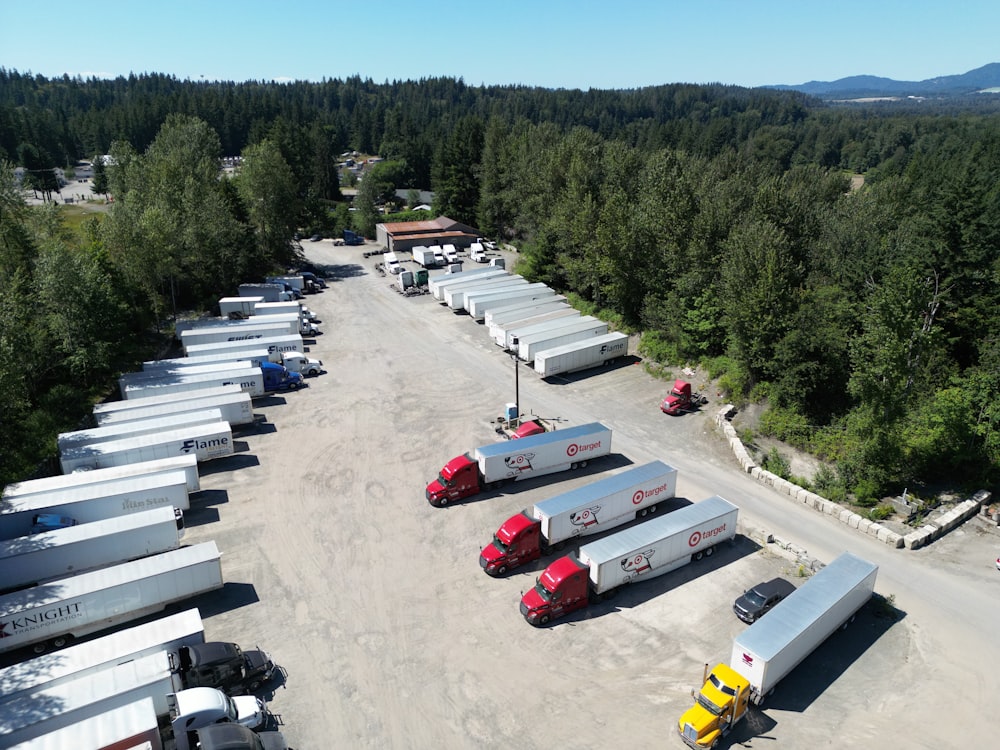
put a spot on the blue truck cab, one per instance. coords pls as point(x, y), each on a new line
point(277, 378)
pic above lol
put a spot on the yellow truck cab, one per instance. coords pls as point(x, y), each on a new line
point(722, 702)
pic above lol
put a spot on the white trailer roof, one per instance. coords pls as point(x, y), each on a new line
point(651, 531)
point(601, 488)
point(527, 443)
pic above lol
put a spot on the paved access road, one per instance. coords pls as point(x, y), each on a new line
point(392, 636)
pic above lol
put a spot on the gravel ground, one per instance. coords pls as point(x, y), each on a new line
point(392, 637)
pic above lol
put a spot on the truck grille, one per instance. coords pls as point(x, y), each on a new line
point(524, 609)
point(482, 562)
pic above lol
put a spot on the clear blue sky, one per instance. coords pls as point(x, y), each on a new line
point(552, 43)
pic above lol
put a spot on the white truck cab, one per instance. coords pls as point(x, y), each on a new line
point(300, 363)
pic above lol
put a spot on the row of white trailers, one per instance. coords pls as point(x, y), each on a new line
point(125, 487)
point(530, 320)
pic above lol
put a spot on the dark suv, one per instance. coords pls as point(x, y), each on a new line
point(756, 601)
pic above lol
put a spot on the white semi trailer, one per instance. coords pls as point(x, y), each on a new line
point(273, 344)
point(30, 560)
point(476, 304)
point(167, 634)
point(255, 357)
point(249, 379)
point(62, 482)
point(235, 408)
point(133, 726)
point(207, 441)
point(587, 327)
point(581, 355)
point(438, 284)
point(95, 502)
point(52, 614)
point(159, 423)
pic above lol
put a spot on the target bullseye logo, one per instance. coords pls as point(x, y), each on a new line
point(638, 497)
point(695, 538)
point(572, 449)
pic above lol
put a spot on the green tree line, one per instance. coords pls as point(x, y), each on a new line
point(719, 221)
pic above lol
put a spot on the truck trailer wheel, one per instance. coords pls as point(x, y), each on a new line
point(543, 620)
point(60, 641)
point(709, 551)
point(501, 570)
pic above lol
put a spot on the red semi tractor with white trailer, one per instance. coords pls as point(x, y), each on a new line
point(490, 466)
point(594, 508)
point(644, 551)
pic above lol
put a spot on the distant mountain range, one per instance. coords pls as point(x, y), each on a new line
point(986, 78)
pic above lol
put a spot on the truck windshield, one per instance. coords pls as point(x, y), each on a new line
point(443, 481)
point(542, 591)
point(708, 705)
point(755, 598)
point(231, 709)
point(500, 545)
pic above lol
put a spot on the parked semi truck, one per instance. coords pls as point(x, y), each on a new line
point(253, 357)
point(682, 399)
point(636, 554)
point(476, 304)
point(270, 292)
point(79, 438)
point(30, 560)
point(50, 615)
point(425, 256)
point(581, 355)
point(187, 464)
point(586, 327)
point(95, 502)
point(773, 646)
point(504, 334)
point(56, 706)
point(256, 381)
point(206, 442)
point(238, 306)
point(492, 465)
point(591, 509)
point(438, 284)
point(235, 408)
point(131, 726)
point(521, 309)
point(454, 296)
point(273, 344)
point(164, 634)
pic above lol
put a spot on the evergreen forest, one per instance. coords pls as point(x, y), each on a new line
point(837, 264)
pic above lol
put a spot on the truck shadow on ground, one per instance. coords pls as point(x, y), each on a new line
point(345, 271)
point(258, 427)
point(630, 595)
point(270, 400)
point(229, 463)
point(231, 596)
point(622, 362)
point(203, 508)
point(606, 463)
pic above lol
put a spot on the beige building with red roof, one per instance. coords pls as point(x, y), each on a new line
point(405, 235)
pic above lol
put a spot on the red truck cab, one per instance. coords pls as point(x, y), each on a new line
point(458, 479)
point(528, 429)
point(517, 542)
point(678, 400)
point(563, 587)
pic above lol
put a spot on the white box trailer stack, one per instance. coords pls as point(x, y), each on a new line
point(581, 355)
point(454, 296)
point(80, 438)
point(73, 607)
point(439, 283)
point(503, 334)
point(520, 309)
point(660, 545)
point(253, 357)
point(164, 634)
point(62, 482)
point(133, 726)
point(128, 380)
point(249, 379)
point(94, 502)
point(450, 287)
point(477, 304)
point(111, 407)
point(222, 334)
point(774, 645)
point(273, 344)
point(235, 408)
point(587, 327)
point(238, 305)
point(30, 560)
point(206, 442)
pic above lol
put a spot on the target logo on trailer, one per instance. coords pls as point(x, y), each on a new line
point(585, 518)
point(638, 563)
point(638, 497)
point(573, 448)
point(695, 538)
point(698, 536)
point(519, 463)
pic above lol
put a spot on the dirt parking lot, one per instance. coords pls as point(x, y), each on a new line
point(393, 637)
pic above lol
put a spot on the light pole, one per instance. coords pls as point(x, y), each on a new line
point(517, 395)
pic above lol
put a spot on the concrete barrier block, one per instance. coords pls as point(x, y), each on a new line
point(854, 521)
point(864, 525)
point(755, 472)
point(845, 516)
